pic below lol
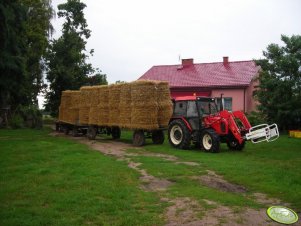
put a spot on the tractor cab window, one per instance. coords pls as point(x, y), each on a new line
point(192, 110)
point(207, 107)
point(180, 108)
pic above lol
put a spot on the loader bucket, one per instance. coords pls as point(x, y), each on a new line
point(263, 132)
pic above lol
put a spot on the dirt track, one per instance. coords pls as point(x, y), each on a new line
point(184, 210)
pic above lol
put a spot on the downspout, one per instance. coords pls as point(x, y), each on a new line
point(244, 100)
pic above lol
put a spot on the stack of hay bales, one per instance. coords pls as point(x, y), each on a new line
point(125, 106)
point(165, 106)
point(94, 102)
point(114, 99)
point(73, 112)
point(103, 106)
point(144, 106)
point(64, 107)
point(85, 103)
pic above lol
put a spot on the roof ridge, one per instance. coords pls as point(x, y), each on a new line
point(219, 62)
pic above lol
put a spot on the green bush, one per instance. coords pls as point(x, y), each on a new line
point(256, 118)
point(26, 116)
point(16, 121)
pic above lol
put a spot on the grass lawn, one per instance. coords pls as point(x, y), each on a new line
point(271, 168)
point(55, 181)
point(49, 180)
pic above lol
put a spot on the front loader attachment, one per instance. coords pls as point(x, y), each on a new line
point(263, 132)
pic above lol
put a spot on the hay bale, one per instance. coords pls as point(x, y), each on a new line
point(74, 98)
point(85, 96)
point(165, 106)
point(103, 106)
point(93, 115)
point(84, 115)
point(125, 106)
point(114, 99)
point(61, 113)
point(144, 107)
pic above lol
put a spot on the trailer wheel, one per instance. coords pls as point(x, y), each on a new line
point(233, 144)
point(138, 138)
point(66, 130)
point(116, 132)
point(210, 141)
point(158, 137)
point(179, 135)
point(92, 132)
point(74, 131)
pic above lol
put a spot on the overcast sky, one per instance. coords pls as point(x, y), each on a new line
point(130, 36)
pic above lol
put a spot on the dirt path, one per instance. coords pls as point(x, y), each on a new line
point(186, 211)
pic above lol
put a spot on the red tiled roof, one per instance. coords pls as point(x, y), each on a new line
point(237, 73)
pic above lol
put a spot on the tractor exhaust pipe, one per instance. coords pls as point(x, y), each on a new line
point(222, 103)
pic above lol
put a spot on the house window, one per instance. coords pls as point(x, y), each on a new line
point(227, 103)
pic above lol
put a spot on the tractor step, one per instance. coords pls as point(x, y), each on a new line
point(263, 132)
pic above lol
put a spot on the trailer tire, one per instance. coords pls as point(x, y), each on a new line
point(75, 131)
point(138, 138)
point(116, 132)
point(210, 141)
point(179, 135)
point(92, 132)
point(158, 137)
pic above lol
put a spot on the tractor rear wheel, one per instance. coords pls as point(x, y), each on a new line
point(179, 135)
point(158, 137)
point(233, 144)
point(210, 141)
point(138, 138)
point(116, 132)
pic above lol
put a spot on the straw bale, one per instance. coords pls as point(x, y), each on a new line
point(84, 115)
point(144, 106)
point(65, 99)
point(73, 115)
point(61, 113)
point(103, 95)
point(114, 99)
point(143, 91)
point(165, 106)
point(74, 99)
point(94, 95)
point(125, 106)
point(103, 106)
point(144, 116)
point(103, 116)
point(93, 115)
point(85, 96)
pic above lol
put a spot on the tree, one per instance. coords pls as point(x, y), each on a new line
point(279, 91)
point(12, 54)
point(66, 57)
point(38, 29)
point(24, 27)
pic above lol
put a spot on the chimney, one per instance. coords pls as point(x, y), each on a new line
point(187, 62)
point(225, 60)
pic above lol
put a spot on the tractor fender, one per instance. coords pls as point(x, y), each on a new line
point(184, 120)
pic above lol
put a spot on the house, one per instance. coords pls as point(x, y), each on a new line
point(235, 80)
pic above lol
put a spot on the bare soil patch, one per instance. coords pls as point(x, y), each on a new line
point(188, 212)
point(216, 181)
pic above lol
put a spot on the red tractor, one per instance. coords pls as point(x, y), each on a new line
point(198, 120)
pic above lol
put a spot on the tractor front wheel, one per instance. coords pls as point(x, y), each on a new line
point(158, 137)
point(233, 144)
point(210, 141)
point(179, 135)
